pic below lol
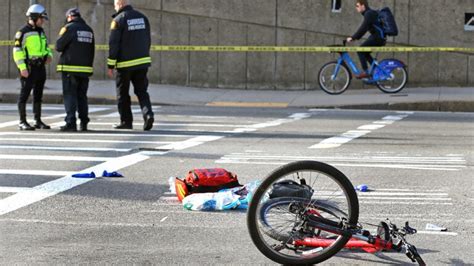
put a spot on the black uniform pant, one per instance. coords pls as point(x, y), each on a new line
point(75, 98)
point(139, 80)
point(365, 57)
point(35, 81)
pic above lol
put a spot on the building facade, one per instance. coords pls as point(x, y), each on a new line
point(268, 23)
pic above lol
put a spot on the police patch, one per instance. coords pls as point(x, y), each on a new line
point(63, 30)
point(114, 25)
point(18, 35)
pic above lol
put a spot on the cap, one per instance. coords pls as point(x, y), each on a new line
point(73, 12)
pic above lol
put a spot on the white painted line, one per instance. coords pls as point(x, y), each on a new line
point(46, 148)
point(164, 219)
point(13, 189)
point(35, 172)
point(54, 187)
point(403, 203)
point(400, 198)
point(123, 225)
point(350, 135)
point(15, 123)
point(163, 125)
point(90, 134)
point(54, 158)
point(388, 166)
point(85, 141)
point(401, 194)
point(190, 143)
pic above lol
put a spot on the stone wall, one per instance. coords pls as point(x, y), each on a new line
point(263, 22)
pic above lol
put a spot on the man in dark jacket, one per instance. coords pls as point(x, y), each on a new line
point(76, 44)
point(129, 53)
point(370, 24)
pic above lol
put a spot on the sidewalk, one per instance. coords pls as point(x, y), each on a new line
point(413, 99)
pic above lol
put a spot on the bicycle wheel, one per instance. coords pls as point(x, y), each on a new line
point(275, 224)
point(334, 84)
point(278, 216)
point(395, 82)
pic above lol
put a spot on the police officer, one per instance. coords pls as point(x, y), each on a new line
point(31, 53)
point(77, 46)
point(129, 53)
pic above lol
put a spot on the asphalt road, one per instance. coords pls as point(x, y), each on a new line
point(419, 166)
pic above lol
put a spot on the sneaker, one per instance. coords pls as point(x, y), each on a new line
point(25, 126)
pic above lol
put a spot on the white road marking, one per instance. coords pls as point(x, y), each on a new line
point(190, 143)
point(54, 187)
point(350, 135)
point(54, 158)
point(162, 125)
point(15, 123)
point(45, 148)
point(125, 225)
point(90, 134)
point(164, 219)
point(13, 189)
point(35, 172)
point(85, 141)
point(440, 163)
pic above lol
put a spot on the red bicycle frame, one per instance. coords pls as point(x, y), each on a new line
point(370, 245)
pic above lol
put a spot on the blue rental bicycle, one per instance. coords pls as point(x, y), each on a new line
point(389, 75)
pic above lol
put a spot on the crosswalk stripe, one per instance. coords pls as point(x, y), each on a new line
point(54, 158)
point(337, 141)
point(35, 172)
point(45, 148)
point(86, 141)
point(13, 189)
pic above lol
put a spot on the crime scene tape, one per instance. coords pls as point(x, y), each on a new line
point(290, 49)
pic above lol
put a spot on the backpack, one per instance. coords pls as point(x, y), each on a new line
point(204, 181)
point(290, 188)
point(387, 19)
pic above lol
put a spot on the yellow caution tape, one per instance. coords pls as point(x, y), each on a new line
point(291, 49)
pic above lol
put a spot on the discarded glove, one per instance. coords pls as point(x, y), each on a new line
point(111, 174)
point(84, 175)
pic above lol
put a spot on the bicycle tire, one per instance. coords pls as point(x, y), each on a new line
point(324, 75)
point(390, 89)
point(253, 221)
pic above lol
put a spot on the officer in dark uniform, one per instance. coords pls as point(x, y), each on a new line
point(31, 53)
point(77, 46)
point(129, 53)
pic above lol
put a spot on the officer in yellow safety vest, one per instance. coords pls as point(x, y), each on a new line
point(31, 53)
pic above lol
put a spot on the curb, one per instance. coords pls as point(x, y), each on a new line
point(436, 106)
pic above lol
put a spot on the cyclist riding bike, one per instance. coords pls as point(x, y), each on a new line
point(370, 24)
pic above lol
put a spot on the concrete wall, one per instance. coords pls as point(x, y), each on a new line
point(263, 22)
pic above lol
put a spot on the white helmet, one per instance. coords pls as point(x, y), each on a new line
point(36, 11)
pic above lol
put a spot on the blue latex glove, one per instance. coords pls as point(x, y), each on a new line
point(84, 175)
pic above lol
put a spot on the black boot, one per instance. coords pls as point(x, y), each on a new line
point(38, 123)
point(148, 125)
point(23, 125)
